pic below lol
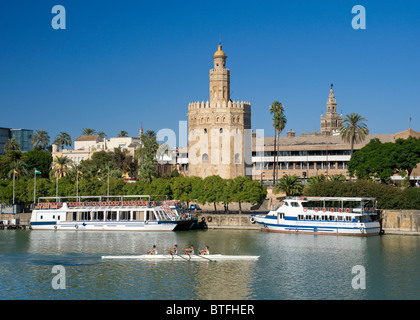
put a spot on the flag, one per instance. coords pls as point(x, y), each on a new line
point(79, 171)
point(15, 172)
point(59, 171)
point(37, 172)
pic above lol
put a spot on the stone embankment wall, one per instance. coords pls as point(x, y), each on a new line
point(401, 222)
point(23, 218)
point(229, 221)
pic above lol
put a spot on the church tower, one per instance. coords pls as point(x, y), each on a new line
point(219, 130)
point(331, 122)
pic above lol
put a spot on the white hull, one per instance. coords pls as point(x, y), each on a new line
point(212, 257)
point(107, 226)
point(343, 228)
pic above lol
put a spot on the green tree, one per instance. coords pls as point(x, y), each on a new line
point(243, 189)
point(289, 184)
point(11, 144)
point(374, 160)
point(88, 131)
point(40, 139)
point(354, 129)
point(181, 187)
point(122, 134)
point(38, 159)
point(213, 189)
point(146, 154)
point(61, 163)
point(407, 155)
point(63, 139)
point(279, 122)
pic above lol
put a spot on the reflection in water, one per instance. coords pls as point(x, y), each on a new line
point(291, 266)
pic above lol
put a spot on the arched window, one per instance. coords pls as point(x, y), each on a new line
point(220, 130)
point(205, 158)
point(205, 131)
point(237, 158)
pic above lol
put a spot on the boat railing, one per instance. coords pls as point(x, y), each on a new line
point(368, 210)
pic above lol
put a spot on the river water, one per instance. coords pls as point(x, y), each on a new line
point(291, 266)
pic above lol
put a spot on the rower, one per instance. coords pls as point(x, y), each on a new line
point(153, 251)
point(205, 251)
point(190, 250)
point(173, 250)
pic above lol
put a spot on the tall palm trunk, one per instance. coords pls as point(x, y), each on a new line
point(275, 153)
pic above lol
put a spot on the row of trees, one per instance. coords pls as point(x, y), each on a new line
point(211, 190)
point(381, 161)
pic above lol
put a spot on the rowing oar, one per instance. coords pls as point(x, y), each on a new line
point(183, 257)
point(199, 255)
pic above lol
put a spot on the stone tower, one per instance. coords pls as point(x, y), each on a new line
point(331, 122)
point(219, 130)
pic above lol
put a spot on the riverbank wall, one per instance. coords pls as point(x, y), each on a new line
point(401, 222)
point(393, 221)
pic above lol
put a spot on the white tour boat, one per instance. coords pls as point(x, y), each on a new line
point(195, 257)
point(322, 215)
point(123, 215)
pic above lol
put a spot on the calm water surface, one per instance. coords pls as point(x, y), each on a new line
point(290, 266)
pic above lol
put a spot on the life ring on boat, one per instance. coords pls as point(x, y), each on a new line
point(173, 218)
point(146, 222)
point(93, 204)
point(252, 220)
point(76, 226)
point(340, 210)
point(332, 210)
point(362, 230)
point(324, 209)
point(305, 209)
point(347, 210)
point(316, 209)
point(209, 219)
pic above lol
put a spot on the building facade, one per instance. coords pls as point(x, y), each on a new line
point(22, 136)
point(219, 130)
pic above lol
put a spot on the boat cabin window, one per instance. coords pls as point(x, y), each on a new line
point(150, 215)
point(125, 215)
point(308, 217)
point(286, 204)
point(316, 217)
point(111, 215)
point(348, 218)
point(332, 218)
point(300, 216)
point(340, 218)
point(294, 204)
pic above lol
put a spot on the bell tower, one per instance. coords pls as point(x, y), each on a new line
point(219, 78)
point(331, 122)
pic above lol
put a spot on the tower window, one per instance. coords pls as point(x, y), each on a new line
point(220, 130)
point(205, 158)
point(237, 159)
point(205, 131)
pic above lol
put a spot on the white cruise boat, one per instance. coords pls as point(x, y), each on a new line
point(106, 215)
point(322, 215)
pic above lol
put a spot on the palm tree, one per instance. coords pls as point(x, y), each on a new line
point(88, 131)
point(354, 130)
point(101, 134)
point(289, 184)
point(63, 139)
point(20, 167)
point(40, 138)
point(11, 144)
point(122, 134)
point(279, 122)
point(61, 163)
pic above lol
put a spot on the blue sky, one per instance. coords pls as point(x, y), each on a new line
point(120, 64)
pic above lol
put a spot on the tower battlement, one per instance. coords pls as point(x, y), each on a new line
point(220, 105)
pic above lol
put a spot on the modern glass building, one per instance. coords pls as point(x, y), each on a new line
point(23, 137)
